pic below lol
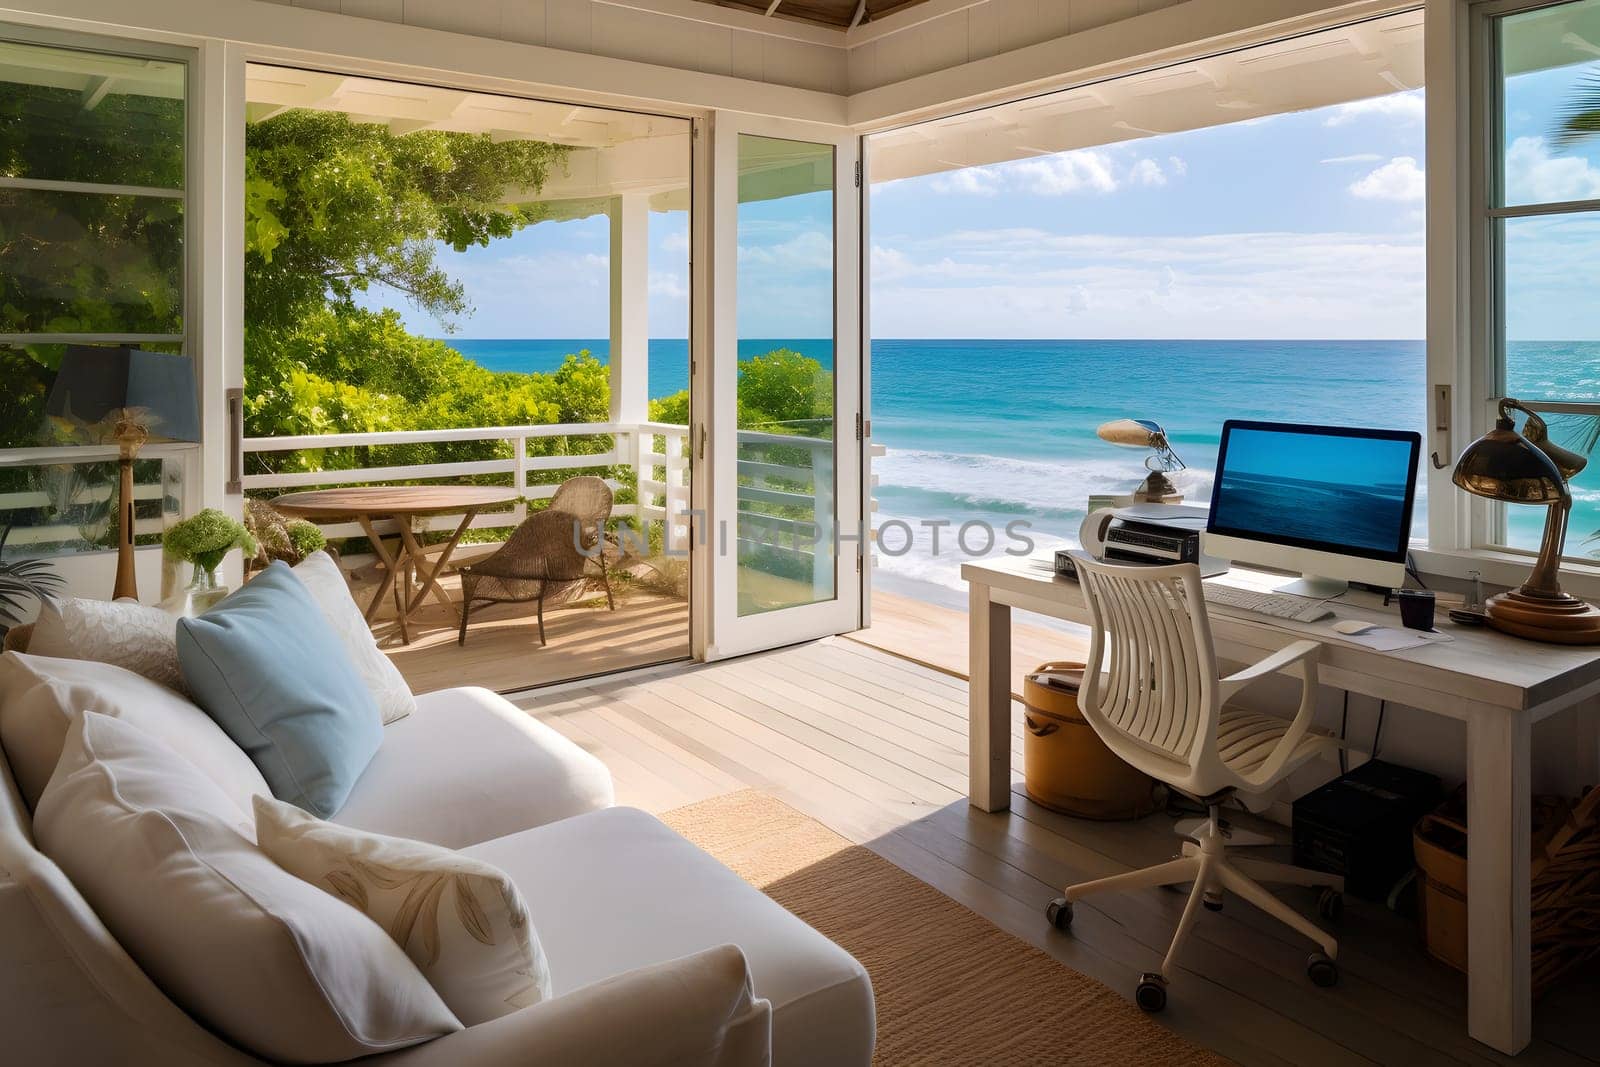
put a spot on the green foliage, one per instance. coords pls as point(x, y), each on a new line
point(779, 392)
point(205, 538)
point(305, 537)
point(25, 579)
point(784, 391)
point(333, 207)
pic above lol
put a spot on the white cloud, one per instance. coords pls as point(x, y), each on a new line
point(1399, 179)
point(1026, 283)
point(1147, 172)
point(1359, 157)
point(808, 250)
point(1534, 176)
point(668, 284)
point(1087, 170)
point(1405, 107)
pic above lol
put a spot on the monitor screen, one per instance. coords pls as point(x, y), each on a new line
point(1328, 488)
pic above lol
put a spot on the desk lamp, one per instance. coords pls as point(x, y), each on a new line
point(1142, 433)
point(131, 397)
point(1528, 468)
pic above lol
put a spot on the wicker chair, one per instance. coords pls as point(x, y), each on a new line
point(549, 554)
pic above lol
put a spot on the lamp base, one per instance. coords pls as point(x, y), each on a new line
point(1562, 619)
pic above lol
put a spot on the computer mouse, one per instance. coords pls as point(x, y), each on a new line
point(1353, 626)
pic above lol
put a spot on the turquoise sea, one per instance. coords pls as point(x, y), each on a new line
point(1004, 430)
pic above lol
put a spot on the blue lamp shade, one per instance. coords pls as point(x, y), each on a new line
point(95, 383)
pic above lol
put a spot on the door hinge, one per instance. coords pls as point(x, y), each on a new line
point(702, 441)
point(858, 174)
point(859, 428)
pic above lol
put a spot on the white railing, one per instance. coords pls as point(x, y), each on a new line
point(62, 459)
point(785, 493)
point(633, 445)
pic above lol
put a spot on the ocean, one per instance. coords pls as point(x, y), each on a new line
point(1003, 431)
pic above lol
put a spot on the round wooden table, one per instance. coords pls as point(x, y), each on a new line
point(367, 504)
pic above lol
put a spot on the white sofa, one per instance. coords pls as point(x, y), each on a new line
point(658, 954)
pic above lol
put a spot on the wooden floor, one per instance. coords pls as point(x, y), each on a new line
point(503, 652)
point(936, 636)
point(875, 747)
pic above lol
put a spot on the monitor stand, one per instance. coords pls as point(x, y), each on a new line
point(1316, 587)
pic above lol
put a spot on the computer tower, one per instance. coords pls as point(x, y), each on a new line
point(1359, 825)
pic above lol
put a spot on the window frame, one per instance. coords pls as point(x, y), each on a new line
point(187, 455)
point(1488, 214)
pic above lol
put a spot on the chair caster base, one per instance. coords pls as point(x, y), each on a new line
point(1322, 971)
point(1212, 901)
point(1151, 994)
point(1330, 905)
point(1059, 912)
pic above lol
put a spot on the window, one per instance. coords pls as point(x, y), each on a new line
point(1542, 187)
point(92, 252)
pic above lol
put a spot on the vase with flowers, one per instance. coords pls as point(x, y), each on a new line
point(204, 540)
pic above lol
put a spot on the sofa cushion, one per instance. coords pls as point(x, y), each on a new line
point(272, 963)
point(127, 633)
point(267, 666)
point(326, 583)
point(41, 697)
point(461, 920)
point(468, 766)
point(616, 889)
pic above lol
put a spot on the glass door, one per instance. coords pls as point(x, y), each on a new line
point(786, 384)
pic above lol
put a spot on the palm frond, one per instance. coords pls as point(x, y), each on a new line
point(1581, 433)
point(26, 578)
point(1580, 116)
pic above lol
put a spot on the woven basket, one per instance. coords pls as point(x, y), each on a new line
point(1565, 875)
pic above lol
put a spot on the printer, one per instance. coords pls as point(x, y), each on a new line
point(1144, 533)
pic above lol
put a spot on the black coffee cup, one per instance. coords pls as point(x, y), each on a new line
point(1416, 608)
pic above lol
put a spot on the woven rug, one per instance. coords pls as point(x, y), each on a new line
point(951, 987)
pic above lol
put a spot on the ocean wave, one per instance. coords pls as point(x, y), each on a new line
point(1056, 488)
point(923, 559)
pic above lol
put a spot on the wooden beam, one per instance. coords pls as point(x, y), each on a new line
point(95, 92)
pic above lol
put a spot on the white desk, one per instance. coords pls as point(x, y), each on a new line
point(1499, 685)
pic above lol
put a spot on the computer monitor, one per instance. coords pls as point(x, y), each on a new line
point(1332, 502)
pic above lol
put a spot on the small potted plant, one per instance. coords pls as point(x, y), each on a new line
point(204, 540)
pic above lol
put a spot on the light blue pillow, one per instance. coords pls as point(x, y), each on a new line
point(266, 665)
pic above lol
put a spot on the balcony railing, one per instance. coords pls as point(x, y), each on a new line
point(785, 492)
point(657, 453)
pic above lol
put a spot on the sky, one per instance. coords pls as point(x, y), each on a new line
point(1302, 225)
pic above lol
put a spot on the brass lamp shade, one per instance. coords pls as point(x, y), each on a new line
point(1527, 468)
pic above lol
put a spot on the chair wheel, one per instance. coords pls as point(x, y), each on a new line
point(1212, 901)
point(1059, 912)
point(1151, 994)
point(1330, 905)
point(1322, 971)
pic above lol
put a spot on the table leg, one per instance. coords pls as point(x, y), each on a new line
point(392, 562)
point(1499, 814)
point(989, 700)
point(430, 579)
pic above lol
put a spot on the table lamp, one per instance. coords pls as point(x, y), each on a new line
point(1142, 433)
point(131, 397)
point(1528, 468)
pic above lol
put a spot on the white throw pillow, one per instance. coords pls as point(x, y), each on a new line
point(124, 632)
point(327, 586)
point(40, 698)
point(273, 964)
point(462, 921)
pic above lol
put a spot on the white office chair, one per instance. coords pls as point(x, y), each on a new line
point(1153, 694)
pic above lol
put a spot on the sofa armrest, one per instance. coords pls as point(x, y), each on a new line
point(698, 1011)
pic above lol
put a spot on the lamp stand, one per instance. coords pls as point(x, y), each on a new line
point(130, 438)
point(1538, 609)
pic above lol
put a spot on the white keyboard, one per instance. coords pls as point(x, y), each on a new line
point(1272, 605)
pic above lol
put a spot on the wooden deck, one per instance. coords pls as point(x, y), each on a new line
point(503, 652)
point(875, 747)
